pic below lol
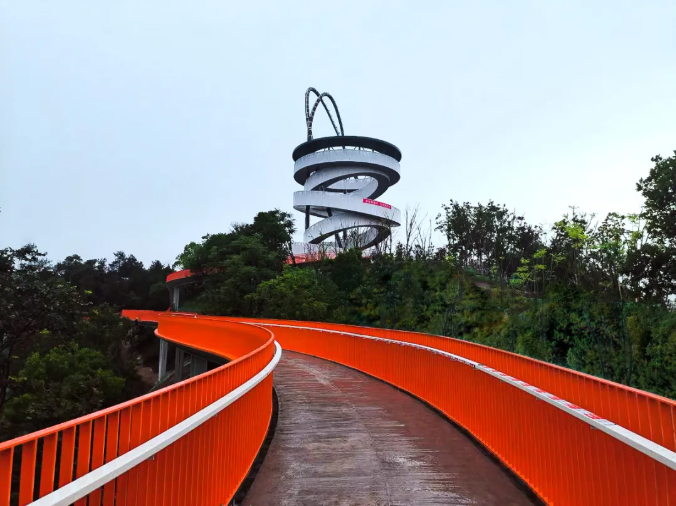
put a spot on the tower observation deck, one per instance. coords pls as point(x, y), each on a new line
point(342, 176)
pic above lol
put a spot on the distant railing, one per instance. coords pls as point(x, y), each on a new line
point(186, 273)
point(189, 443)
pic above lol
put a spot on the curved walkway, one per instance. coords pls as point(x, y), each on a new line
point(343, 438)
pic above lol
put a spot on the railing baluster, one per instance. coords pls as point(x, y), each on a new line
point(123, 447)
point(6, 465)
point(83, 453)
point(67, 456)
point(48, 464)
point(111, 453)
point(28, 458)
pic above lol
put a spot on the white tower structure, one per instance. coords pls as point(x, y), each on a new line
point(341, 177)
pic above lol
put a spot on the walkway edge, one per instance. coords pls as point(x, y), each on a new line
point(260, 456)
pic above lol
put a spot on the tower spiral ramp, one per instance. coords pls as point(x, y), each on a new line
point(342, 176)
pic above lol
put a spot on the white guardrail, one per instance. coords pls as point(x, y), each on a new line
point(79, 488)
point(643, 445)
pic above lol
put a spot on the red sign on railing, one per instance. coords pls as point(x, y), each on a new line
point(376, 203)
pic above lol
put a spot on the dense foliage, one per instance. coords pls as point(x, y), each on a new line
point(232, 265)
point(593, 295)
point(123, 283)
point(596, 295)
point(64, 350)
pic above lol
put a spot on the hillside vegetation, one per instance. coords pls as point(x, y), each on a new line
point(64, 350)
point(595, 294)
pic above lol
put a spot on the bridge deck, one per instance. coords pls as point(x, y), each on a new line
point(344, 438)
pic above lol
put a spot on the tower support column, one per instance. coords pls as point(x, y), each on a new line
point(198, 365)
point(175, 298)
point(162, 368)
point(178, 365)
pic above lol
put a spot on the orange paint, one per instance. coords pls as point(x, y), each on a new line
point(559, 456)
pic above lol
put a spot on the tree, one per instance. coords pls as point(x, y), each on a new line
point(104, 331)
point(298, 294)
point(273, 229)
point(65, 383)
point(232, 265)
point(592, 295)
point(652, 266)
point(248, 264)
point(60, 357)
point(124, 282)
point(659, 192)
point(571, 243)
point(489, 239)
point(346, 270)
point(37, 309)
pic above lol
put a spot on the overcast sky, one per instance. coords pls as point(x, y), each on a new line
point(143, 125)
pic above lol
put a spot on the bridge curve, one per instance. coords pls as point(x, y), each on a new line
point(574, 439)
point(343, 437)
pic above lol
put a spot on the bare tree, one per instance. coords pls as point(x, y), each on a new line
point(423, 246)
point(411, 228)
point(417, 234)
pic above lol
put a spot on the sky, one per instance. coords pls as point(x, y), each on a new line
point(142, 126)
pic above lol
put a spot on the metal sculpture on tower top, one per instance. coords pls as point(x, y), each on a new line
point(309, 116)
point(342, 176)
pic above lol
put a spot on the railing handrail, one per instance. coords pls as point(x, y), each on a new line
point(136, 400)
point(95, 479)
point(636, 441)
point(649, 417)
point(541, 432)
point(560, 368)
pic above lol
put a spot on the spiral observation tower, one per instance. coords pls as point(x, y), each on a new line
point(342, 176)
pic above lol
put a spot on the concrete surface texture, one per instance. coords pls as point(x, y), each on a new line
point(344, 438)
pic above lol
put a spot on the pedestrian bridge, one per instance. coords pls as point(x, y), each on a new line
point(493, 428)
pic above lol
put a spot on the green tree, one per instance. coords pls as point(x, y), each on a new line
point(232, 265)
point(592, 295)
point(273, 230)
point(659, 192)
point(104, 331)
point(37, 309)
point(651, 267)
point(490, 239)
point(123, 283)
point(52, 340)
point(297, 294)
point(65, 383)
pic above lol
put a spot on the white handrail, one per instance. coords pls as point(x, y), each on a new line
point(643, 445)
point(79, 488)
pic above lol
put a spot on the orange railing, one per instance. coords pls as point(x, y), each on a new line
point(557, 455)
point(205, 466)
point(560, 457)
point(566, 454)
point(179, 275)
point(649, 415)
